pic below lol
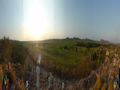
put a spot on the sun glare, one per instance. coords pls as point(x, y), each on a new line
point(36, 21)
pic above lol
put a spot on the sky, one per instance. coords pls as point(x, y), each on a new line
point(45, 19)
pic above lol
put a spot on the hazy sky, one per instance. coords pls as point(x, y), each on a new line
point(94, 19)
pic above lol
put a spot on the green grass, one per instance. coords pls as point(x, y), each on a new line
point(67, 55)
point(71, 58)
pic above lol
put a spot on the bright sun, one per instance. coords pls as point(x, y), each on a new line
point(36, 21)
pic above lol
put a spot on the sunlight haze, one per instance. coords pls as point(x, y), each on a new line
point(37, 21)
point(47, 19)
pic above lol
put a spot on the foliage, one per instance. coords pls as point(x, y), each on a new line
point(12, 76)
point(64, 57)
point(12, 51)
point(88, 44)
point(18, 54)
point(70, 58)
point(5, 50)
point(20, 85)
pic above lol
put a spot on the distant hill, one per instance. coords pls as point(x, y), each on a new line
point(102, 41)
point(70, 57)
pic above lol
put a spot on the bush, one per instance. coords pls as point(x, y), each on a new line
point(18, 54)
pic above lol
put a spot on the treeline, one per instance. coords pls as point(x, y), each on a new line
point(88, 44)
